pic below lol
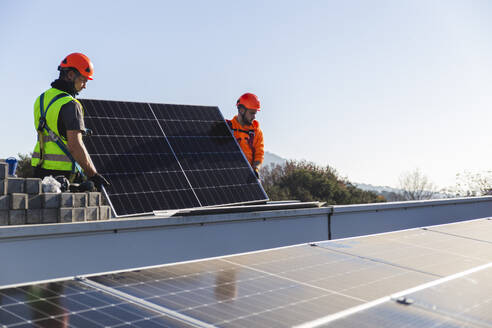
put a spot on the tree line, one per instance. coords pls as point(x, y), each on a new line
point(307, 181)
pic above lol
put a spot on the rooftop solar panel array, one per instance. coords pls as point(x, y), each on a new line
point(72, 304)
point(404, 278)
point(164, 157)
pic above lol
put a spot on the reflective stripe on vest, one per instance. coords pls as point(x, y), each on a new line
point(47, 139)
point(55, 158)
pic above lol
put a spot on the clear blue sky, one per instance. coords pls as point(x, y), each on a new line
point(372, 88)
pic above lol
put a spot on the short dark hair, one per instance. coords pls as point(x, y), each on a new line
point(64, 71)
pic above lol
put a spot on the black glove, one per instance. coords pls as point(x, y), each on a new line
point(65, 184)
point(99, 181)
point(83, 186)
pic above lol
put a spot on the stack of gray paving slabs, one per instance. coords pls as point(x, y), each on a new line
point(23, 202)
point(436, 276)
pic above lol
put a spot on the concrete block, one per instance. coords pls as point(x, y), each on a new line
point(35, 202)
point(94, 199)
point(3, 186)
point(18, 201)
point(78, 214)
point(17, 217)
point(4, 217)
point(49, 215)
point(50, 200)
point(104, 212)
point(5, 202)
point(66, 214)
point(66, 199)
point(71, 214)
point(92, 213)
point(15, 185)
point(4, 170)
point(32, 186)
point(80, 199)
point(34, 216)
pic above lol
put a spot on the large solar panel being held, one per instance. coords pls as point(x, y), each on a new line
point(165, 157)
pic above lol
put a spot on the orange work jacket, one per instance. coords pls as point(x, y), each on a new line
point(250, 139)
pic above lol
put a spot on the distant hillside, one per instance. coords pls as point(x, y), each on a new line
point(389, 193)
point(393, 194)
point(272, 158)
point(378, 189)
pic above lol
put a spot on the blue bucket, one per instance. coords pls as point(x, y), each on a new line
point(12, 162)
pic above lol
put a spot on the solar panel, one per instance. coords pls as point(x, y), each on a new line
point(429, 251)
point(461, 302)
point(353, 282)
point(474, 230)
point(466, 299)
point(293, 285)
point(165, 157)
point(72, 304)
point(392, 314)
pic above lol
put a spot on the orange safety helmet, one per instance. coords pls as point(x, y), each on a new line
point(80, 62)
point(249, 100)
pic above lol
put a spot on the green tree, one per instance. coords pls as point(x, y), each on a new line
point(306, 181)
point(24, 168)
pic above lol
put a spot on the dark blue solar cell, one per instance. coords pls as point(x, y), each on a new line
point(8, 318)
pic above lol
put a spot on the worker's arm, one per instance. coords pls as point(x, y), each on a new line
point(79, 152)
point(259, 149)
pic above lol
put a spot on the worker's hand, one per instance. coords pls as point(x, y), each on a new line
point(99, 181)
point(257, 173)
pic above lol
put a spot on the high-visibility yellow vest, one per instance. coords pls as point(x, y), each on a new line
point(54, 157)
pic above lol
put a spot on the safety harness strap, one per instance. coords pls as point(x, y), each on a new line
point(52, 135)
point(250, 140)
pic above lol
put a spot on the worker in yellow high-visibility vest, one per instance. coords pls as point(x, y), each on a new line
point(59, 120)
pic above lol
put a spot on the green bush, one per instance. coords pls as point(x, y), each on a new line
point(24, 168)
point(306, 181)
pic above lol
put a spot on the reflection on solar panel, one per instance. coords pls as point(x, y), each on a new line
point(372, 281)
point(461, 302)
point(162, 157)
point(72, 304)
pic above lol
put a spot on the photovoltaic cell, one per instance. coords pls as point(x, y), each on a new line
point(71, 304)
point(162, 157)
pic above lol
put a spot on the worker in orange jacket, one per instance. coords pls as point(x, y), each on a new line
point(247, 130)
